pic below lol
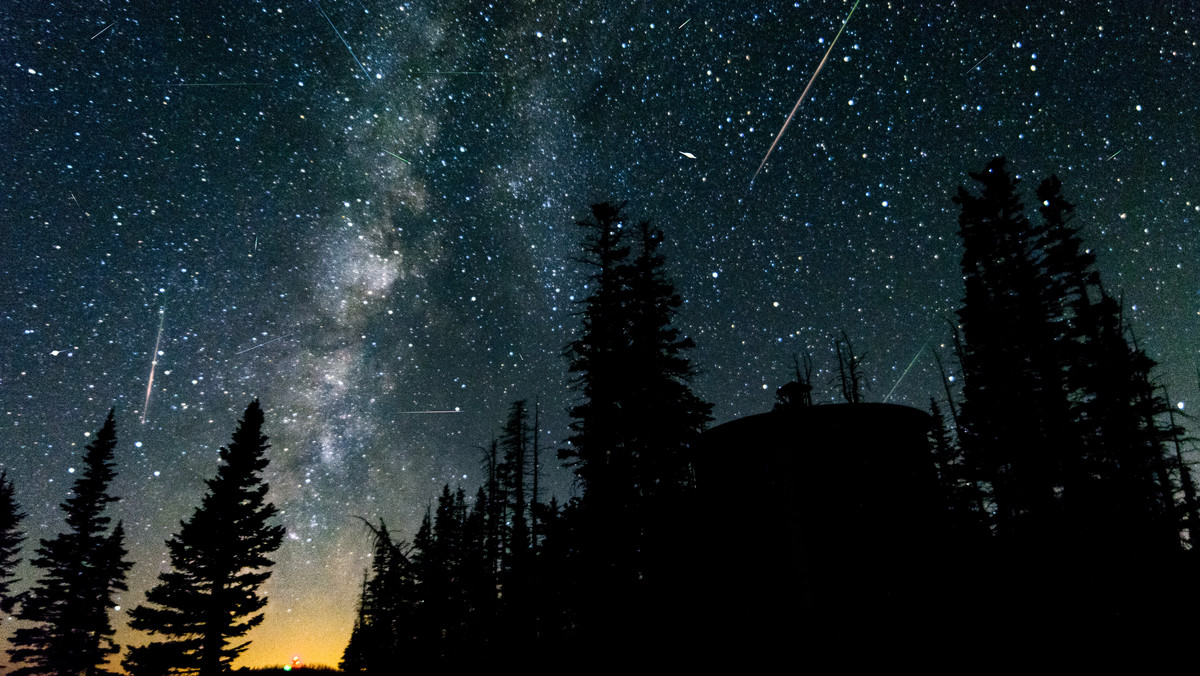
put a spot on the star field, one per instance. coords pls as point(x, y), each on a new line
point(362, 212)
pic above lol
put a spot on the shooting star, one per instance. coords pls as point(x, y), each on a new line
point(910, 365)
point(414, 412)
point(451, 72)
point(687, 155)
point(153, 363)
point(77, 201)
point(255, 347)
point(337, 33)
point(683, 24)
point(102, 30)
point(255, 244)
point(214, 84)
point(396, 156)
point(1115, 154)
point(805, 92)
point(980, 61)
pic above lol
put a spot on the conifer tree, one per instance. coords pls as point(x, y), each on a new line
point(635, 427)
point(219, 558)
point(82, 570)
point(638, 420)
point(597, 360)
point(515, 442)
point(355, 656)
point(1014, 422)
point(11, 538)
point(385, 628)
point(664, 418)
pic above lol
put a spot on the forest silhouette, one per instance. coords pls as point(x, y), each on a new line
point(1048, 500)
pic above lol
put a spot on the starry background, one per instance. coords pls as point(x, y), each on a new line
point(359, 211)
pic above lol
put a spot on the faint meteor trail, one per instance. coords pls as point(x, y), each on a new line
point(396, 156)
point(102, 30)
point(910, 365)
point(805, 92)
point(255, 347)
point(683, 24)
point(215, 84)
point(451, 72)
point(337, 33)
point(981, 61)
point(153, 363)
point(414, 412)
point(1115, 154)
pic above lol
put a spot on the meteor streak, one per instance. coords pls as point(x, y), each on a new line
point(413, 412)
point(805, 92)
point(215, 84)
point(982, 60)
point(451, 72)
point(102, 30)
point(910, 365)
point(1115, 154)
point(335, 32)
point(255, 347)
point(153, 363)
point(396, 156)
point(683, 24)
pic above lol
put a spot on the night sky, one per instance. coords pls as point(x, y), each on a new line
point(362, 211)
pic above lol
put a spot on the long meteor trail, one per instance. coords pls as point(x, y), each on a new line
point(255, 347)
point(805, 92)
point(910, 365)
point(337, 33)
point(153, 363)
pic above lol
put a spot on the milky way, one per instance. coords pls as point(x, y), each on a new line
point(359, 225)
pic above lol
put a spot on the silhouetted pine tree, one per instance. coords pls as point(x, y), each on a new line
point(1015, 419)
point(959, 492)
point(663, 417)
point(516, 621)
point(11, 538)
point(515, 443)
point(634, 429)
point(602, 467)
point(1131, 499)
point(219, 558)
point(355, 655)
point(385, 631)
point(431, 591)
point(82, 569)
point(478, 573)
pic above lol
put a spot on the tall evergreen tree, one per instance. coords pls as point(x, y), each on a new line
point(385, 628)
point(638, 418)
point(219, 559)
point(513, 470)
point(11, 538)
point(1014, 422)
point(82, 570)
point(634, 429)
point(597, 362)
point(663, 417)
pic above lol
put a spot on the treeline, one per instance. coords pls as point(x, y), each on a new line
point(1065, 505)
point(1059, 466)
point(1061, 462)
point(201, 606)
point(509, 575)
